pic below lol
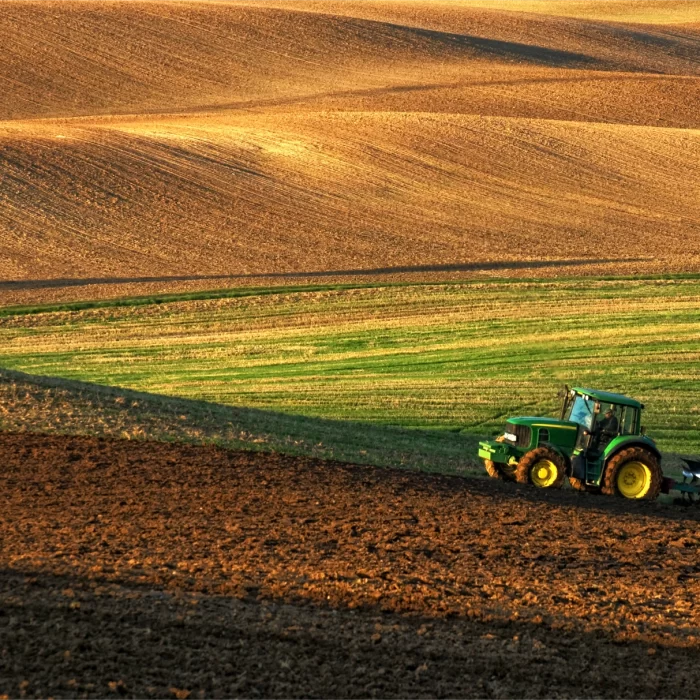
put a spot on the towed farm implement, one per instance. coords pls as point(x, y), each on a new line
point(597, 443)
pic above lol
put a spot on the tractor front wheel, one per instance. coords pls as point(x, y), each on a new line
point(633, 473)
point(496, 470)
point(542, 467)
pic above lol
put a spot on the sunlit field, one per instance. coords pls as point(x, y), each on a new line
point(170, 146)
point(456, 357)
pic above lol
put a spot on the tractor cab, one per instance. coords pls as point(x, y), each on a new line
point(602, 416)
point(605, 420)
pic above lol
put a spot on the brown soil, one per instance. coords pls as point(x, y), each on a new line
point(167, 570)
point(341, 193)
point(161, 146)
point(155, 56)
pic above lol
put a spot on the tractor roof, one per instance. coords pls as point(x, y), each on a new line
point(609, 397)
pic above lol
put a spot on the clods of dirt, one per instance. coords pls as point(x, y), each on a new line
point(143, 569)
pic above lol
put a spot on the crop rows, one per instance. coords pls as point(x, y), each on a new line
point(450, 357)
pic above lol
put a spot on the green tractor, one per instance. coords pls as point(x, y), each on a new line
point(597, 443)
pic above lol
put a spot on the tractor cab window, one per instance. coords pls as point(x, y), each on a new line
point(582, 411)
point(608, 417)
point(607, 424)
point(628, 421)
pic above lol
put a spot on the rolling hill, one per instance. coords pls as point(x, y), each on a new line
point(164, 145)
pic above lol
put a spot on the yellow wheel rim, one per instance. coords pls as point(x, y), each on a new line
point(544, 473)
point(634, 480)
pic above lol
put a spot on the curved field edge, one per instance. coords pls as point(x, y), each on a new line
point(55, 406)
point(450, 362)
point(253, 291)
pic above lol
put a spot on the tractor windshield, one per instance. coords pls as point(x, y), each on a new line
point(581, 410)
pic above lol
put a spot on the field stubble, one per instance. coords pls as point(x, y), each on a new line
point(459, 357)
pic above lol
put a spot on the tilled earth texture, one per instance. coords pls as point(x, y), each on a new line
point(140, 569)
point(154, 147)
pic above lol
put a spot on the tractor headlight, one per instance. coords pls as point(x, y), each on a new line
point(510, 437)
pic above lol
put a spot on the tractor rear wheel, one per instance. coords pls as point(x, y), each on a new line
point(633, 473)
point(542, 467)
point(497, 470)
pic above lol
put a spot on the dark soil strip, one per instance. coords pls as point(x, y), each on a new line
point(159, 570)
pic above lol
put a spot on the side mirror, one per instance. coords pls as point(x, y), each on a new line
point(596, 408)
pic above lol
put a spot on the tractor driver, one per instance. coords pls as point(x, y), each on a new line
point(606, 428)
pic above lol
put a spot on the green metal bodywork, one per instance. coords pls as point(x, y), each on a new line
point(571, 438)
point(609, 397)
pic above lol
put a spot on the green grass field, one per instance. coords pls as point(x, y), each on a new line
point(445, 357)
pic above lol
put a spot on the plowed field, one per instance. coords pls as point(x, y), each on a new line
point(151, 569)
point(158, 146)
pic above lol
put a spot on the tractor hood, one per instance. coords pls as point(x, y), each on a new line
point(543, 422)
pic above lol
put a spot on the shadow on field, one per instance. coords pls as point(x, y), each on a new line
point(63, 635)
point(387, 90)
point(506, 50)
point(56, 406)
point(455, 267)
point(53, 405)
